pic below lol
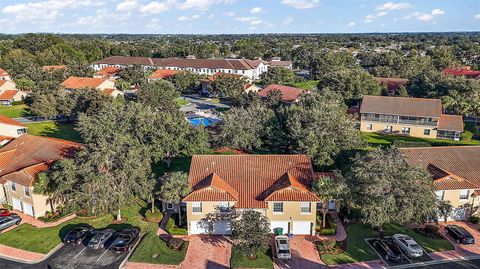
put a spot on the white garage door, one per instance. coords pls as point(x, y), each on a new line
point(28, 209)
point(301, 227)
point(222, 227)
point(279, 224)
point(17, 204)
point(196, 227)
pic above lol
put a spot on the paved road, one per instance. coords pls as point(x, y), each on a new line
point(199, 103)
point(471, 264)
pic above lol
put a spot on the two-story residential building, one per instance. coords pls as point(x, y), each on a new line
point(288, 94)
point(455, 173)
point(11, 128)
point(278, 186)
point(418, 117)
point(104, 85)
point(21, 160)
point(109, 72)
point(4, 75)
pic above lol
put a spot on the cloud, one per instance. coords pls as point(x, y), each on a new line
point(437, 12)
point(201, 4)
point(301, 4)
point(228, 13)
point(157, 7)
point(256, 10)
point(425, 16)
point(252, 21)
point(287, 21)
point(477, 17)
point(127, 5)
point(393, 6)
point(183, 18)
point(370, 17)
point(351, 24)
point(211, 16)
point(154, 24)
point(103, 18)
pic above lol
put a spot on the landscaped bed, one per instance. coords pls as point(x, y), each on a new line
point(150, 250)
point(263, 260)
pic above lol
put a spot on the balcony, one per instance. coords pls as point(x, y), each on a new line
point(399, 120)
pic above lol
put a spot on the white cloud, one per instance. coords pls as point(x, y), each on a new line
point(157, 7)
point(154, 24)
point(425, 16)
point(229, 13)
point(477, 17)
point(211, 16)
point(253, 21)
point(103, 18)
point(301, 4)
point(393, 6)
point(256, 10)
point(127, 5)
point(201, 4)
point(196, 16)
point(437, 12)
point(370, 17)
point(287, 21)
point(182, 18)
point(351, 24)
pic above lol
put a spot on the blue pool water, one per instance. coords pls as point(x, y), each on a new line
point(200, 120)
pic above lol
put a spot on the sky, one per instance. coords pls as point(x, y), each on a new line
point(237, 16)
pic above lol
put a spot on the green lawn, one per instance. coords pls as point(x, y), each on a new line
point(357, 248)
point(308, 85)
point(53, 129)
point(375, 139)
point(42, 240)
point(15, 111)
point(429, 244)
point(263, 260)
point(181, 101)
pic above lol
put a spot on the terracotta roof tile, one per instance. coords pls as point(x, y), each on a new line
point(82, 82)
point(251, 176)
point(10, 121)
point(3, 72)
point(450, 123)
point(8, 94)
point(213, 188)
point(289, 94)
point(403, 106)
point(461, 72)
point(287, 188)
point(163, 73)
point(108, 71)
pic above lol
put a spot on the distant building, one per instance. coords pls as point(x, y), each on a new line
point(105, 86)
point(162, 74)
point(277, 61)
point(418, 117)
point(464, 71)
point(108, 72)
point(4, 75)
point(11, 128)
point(392, 84)
point(288, 94)
point(9, 93)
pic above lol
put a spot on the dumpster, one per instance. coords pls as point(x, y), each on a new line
point(279, 231)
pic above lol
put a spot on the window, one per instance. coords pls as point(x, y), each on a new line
point(440, 195)
point(388, 128)
point(21, 131)
point(197, 207)
point(277, 207)
point(464, 194)
point(170, 206)
point(369, 127)
point(426, 132)
point(406, 130)
point(12, 185)
point(223, 207)
point(26, 190)
point(305, 207)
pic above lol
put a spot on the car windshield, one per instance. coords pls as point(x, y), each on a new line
point(97, 238)
point(284, 251)
point(282, 241)
point(414, 246)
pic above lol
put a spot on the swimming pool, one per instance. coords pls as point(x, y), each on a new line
point(201, 120)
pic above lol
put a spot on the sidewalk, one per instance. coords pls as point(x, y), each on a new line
point(40, 224)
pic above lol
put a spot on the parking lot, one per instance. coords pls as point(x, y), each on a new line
point(406, 260)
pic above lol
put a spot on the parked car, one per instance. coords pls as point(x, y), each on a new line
point(460, 234)
point(100, 238)
point(4, 212)
point(389, 250)
point(125, 240)
point(8, 221)
point(411, 248)
point(78, 234)
point(282, 247)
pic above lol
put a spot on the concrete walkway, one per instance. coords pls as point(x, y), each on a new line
point(40, 224)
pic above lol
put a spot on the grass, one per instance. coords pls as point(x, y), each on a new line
point(429, 244)
point(308, 85)
point(376, 139)
point(181, 101)
point(470, 132)
point(357, 248)
point(54, 129)
point(16, 111)
point(42, 240)
point(263, 260)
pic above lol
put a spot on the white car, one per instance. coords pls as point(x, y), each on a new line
point(282, 247)
point(411, 248)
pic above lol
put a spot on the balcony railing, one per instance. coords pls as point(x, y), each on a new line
point(397, 120)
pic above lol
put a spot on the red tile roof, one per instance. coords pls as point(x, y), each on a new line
point(163, 73)
point(289, 94)
point(461, 72)
point(6, 81)
point(10, 121)
point(451, 123)
point(454, 167)
point(108, 91)
point(253, 177)
point(108, 71)
point(8, 94)
point(3, 72)
point(82, 82)
point(403, 106)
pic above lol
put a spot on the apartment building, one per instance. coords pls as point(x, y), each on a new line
point(417, 117)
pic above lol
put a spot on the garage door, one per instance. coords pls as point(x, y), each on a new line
point(28, 209)
point(459, 214)
point(17, 204)
point(302, 227)
point(222, 227)
point(279, 224)
point(197, 227)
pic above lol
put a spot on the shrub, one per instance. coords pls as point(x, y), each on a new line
point(410, 144)
point(14, 103)
point(330, 227)
point(326, 245)
point(175, 243)
point(170, 223)
point(429, 230)
point(7, 207)
point(474, 219)
point(153, 217)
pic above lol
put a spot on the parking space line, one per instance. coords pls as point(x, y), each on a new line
point(79, 253)
point(102, 255)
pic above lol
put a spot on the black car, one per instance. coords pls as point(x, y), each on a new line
point(388, 250)
point(125, 240)
point(78, 234)
point(460, 234)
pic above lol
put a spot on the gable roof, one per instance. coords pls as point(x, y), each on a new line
point(8, 94)
point(3, 72)
point(289, 94)
point(26, 156)
point(250, 178)
point(402, 106)
point(82, 82)
point(10, 121)
point(108, 71)
point(163, 73)
point(2, 82)
point(466, 72)
point(454, 167)
point(450, 122)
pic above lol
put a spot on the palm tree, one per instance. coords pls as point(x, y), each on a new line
point(42, 186)
point(328, 189)
point(174, 188)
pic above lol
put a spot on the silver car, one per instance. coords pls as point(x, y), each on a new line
point(8, 221)
point(100, 237)
point(282, 247)
point(411, 248)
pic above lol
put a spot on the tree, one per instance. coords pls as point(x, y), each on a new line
point(388, 190)
point(225, 85)
point(278, 75)
point(134, 74)
point(251, 232)
point(41, 186)
point(186, 81)
point(329, 188)
point(174, 187)
point(159, 94)
point(444, 209)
